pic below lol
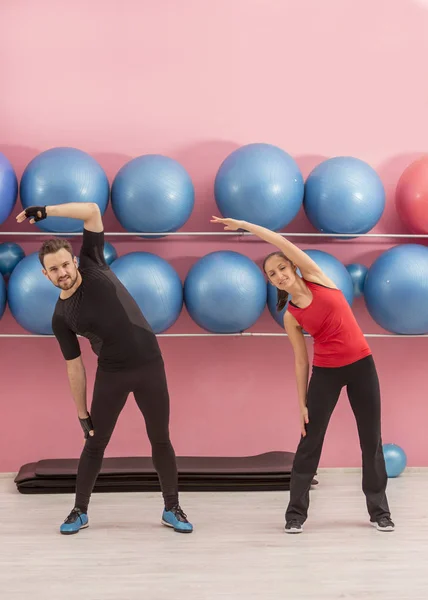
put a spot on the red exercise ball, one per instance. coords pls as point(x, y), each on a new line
point(411, 196)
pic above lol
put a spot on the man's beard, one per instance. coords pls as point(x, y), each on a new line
point(67, 283)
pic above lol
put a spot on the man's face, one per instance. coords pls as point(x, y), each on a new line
point(61, 269)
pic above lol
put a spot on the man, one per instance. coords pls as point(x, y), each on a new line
point(93, 303)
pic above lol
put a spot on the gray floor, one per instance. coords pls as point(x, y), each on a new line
point(238, 549)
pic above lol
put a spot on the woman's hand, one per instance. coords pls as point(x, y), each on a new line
point(304, 420)
point(230, 224)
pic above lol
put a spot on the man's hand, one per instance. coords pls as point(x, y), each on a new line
point(86, 424)
point(88, 212)
point(34, 213)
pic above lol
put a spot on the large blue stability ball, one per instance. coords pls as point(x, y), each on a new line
point(2, 296)
point(395, 459)
point(155, 286)
point(152, 193)
point(331, 266)
point(259, 183)
point(225, 292)
point(344, 195)
point(358, 275)
point(61, 175)
point(335, 270)
point(396, 289)
point(10, 255)
point(31, 296)
point(8, 188)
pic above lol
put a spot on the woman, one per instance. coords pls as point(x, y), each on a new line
point(341, 358)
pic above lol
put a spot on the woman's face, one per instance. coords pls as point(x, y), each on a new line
point(281, 272)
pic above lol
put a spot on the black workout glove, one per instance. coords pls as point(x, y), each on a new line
point(86, 425)
point(34, 212)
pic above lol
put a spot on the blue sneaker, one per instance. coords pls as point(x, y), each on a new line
point(75, 521)
point(176, 519)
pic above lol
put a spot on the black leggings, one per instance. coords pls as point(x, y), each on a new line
point(324, 389)
point(111, 390)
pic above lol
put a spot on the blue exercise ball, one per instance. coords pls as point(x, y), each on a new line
point(358, 275)
point(62, 175)
point(259, 183)
point(155, 286)
point(225, 292)
point(335, 270)
point(110, 253)
point(31, 296)
point(8, 188)
point(395, 459)
point(10, 255)
point(152, 193)
point(396, 289)
point(2, 296)
point(331, 266)
point(344, 195)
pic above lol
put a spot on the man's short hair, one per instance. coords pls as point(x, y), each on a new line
point(53, 245)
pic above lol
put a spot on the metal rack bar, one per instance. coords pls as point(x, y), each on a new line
point(216, 234)
point(244, 334)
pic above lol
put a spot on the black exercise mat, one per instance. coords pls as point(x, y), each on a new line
point(71, 489)
point(63, 486)
point(264, 472)
point(269, 462)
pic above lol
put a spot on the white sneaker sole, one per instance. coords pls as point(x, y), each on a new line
point(390, 528)
point(293, 530)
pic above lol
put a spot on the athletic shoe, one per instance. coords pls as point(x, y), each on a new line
point(293, 526)
point(75, 521)
point(383, 524)
point(176, 519)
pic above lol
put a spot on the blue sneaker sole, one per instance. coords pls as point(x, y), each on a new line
point(175, 529)
point(74, 532)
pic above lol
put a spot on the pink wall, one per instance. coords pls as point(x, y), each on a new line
point(194, 80)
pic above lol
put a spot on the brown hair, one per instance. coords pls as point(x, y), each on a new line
point(282, 296)
point(53, 245)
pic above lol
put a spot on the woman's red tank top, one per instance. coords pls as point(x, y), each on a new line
point(338, 339)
